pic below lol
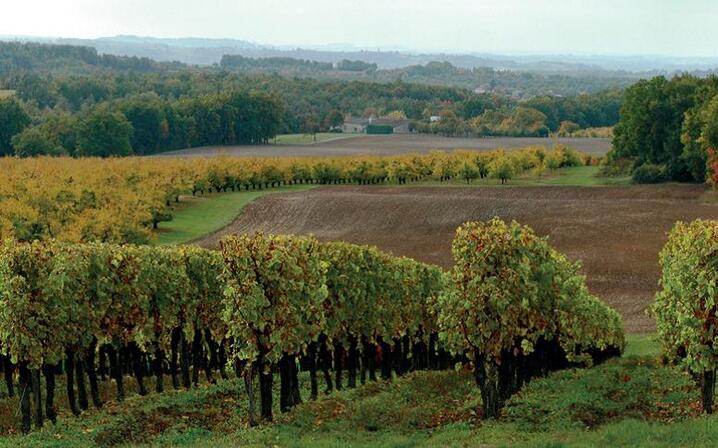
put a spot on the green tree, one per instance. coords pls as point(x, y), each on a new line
point(31, 87)
point(482, 162)
point(449, 124)
point(333, 119)
point(501, 168)
point(567, 128)
point(60, 128)
point(34, 142)
point(469, 172)
point(148, 122)
point(709, 132)
point(651, 124)
point(311, 126)
point(274, 294)
point(477, 104)
point(104, 133)
point(528, 121)
point(13, 119)
point(586, 110)
point(700, 131)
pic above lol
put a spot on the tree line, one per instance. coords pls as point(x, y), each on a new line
point(16, 57)
point(297, 105)
point(272, 64)
point(123, 200)
point(521, 84)
point(668, 130)
point(309, 104)
point(141, 125)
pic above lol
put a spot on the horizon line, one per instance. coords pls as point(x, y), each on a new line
point(376, 49)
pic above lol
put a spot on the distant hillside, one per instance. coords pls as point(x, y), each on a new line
point(146, 54)
point(65, 59)
point(511, 83)
point(68, 59)
point(202, 51)
point(191, 50)
point(197, 51)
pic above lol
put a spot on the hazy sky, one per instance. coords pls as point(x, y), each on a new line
point(667, 27)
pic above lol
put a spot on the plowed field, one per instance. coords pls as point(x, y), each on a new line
point(616, 231)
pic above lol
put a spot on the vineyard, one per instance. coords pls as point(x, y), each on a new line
point(124, 200)
point(278, 304)
point(520, 309)
point(86, 306)
point(686, 309)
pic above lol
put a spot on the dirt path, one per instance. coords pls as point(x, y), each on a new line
point(392, 144)
point(616, 232)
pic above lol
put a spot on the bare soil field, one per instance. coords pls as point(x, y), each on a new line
point(616, 231)
point(393, 144)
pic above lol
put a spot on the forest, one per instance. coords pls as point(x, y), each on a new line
point(668, 130)
point(141, 124)
point(67, 98)
point(505, 78)
point(63, 96)
point(41, 58)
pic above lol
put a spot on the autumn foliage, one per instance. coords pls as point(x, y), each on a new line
point(123, 200)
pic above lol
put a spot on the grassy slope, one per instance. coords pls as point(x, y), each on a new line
point(581, 176)
point(625, 402)
point(585, 176)
point(201, 215)
point(308, 139)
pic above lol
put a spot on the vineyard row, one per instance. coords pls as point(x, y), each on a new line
point(513, 308)
point(686, 307)
point(122, 200)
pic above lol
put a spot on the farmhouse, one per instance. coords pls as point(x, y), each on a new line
point(373, 125)
point(354, 125)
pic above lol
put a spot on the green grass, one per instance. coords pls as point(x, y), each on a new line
point(632, 401)
point(6, 93)
point(308, 139)
point(202, 215)
point(580, 176)
point(585, 176)
point(645, 345)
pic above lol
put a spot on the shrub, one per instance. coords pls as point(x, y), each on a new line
point(571, 157)
point(33, 142)
point(649, 173)
point(615, 167)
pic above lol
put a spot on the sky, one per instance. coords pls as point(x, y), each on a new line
point(621, 27)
